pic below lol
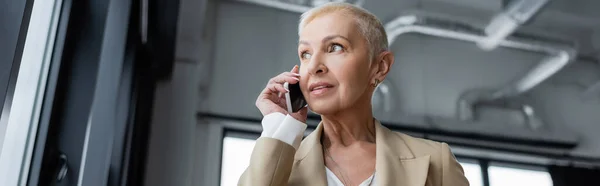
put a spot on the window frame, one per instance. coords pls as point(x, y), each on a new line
point(12, 51)
point(95, 93)
point(98, 45)
point(40, 26)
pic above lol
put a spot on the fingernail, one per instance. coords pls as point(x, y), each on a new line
point(296, 74)
point(296, 78)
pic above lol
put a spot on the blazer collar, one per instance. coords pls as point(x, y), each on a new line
point(309, 164)
point(395, 162)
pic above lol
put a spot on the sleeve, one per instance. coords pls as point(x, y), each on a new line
point(452, 171)
point(284, 128)
point(273, 154)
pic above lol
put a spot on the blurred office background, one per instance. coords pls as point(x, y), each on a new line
point(512, 85)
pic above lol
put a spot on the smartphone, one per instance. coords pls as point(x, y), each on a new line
point(294, 98)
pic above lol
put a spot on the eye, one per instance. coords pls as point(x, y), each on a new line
point(305, 55)
point(336, 48)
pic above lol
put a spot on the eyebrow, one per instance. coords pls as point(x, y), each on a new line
point(303, 43)
point(331, 37)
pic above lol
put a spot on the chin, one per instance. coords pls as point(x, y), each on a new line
point(323, 108)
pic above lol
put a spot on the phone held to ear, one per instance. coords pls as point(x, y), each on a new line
point(294, 98)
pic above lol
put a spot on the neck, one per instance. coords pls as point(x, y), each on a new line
point(349, 126)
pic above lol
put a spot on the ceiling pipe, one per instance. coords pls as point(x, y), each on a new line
point(592, 91)
point(297, 6)
point(559, 55)
point(385, 94)
point(278, 4)
point(468, 102)
point(505, 23)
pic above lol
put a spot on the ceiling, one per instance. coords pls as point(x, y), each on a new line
point(573, 20)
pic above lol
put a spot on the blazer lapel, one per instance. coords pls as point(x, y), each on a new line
point(309, 167)
point(395, 163)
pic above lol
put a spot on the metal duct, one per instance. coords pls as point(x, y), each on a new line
point(592, 91)
point(468, 102)
point(383, 96)
point(559, 55)
point(505, 23)
point(298, 6)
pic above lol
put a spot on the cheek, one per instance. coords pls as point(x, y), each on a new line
point(354, 72)
point(354, 75)
point(352, 83)
point(303, 77)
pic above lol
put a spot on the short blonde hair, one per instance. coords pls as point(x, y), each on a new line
point(369, 26)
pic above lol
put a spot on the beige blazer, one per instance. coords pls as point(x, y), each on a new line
point(401, 160)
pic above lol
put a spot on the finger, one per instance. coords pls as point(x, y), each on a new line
point(274, 88)
point(296, 69)
point(281, 95)
point(292, 74)
point(284, 77)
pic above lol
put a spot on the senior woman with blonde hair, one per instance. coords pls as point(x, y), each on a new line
point(344, 55)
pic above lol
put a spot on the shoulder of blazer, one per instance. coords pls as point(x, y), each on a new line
point(420, 146)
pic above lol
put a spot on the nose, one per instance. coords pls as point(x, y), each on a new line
point(316, 65)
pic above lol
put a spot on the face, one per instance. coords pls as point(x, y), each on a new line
point(335, 67)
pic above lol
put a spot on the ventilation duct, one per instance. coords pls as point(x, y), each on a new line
point(298, 6)
point(592, 91)
point(383, 99)
point(505, 23)
point(558, 56)
point(547, 142)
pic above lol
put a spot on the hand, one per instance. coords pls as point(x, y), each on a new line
point(272, 98)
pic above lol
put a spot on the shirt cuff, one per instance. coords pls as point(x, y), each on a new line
point(270, 123)
point(284, 128)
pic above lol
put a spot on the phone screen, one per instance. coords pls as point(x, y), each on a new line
point(296, 99)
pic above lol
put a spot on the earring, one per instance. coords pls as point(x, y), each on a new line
point(376, 83)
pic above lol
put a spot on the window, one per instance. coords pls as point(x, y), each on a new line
point(473, 173)
point(506, 176)
point(235, 159)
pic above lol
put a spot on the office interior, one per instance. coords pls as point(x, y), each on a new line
point(149, 92)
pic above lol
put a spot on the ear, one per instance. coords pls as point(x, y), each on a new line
point(384, 63)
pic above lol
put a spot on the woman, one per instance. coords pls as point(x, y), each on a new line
point(344, 55)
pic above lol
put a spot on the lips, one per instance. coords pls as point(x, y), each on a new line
point(319, 86)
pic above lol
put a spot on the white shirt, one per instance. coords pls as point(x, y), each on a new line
point(333, 180)
point(290, 131)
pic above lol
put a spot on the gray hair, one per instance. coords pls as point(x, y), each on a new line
point(369, 26)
